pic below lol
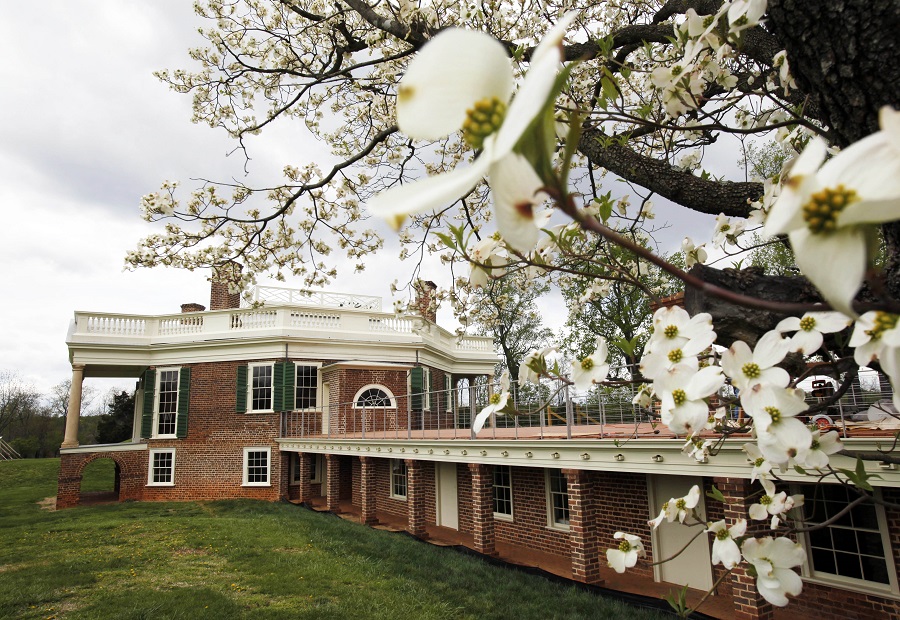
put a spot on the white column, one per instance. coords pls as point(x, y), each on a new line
point(74, 412)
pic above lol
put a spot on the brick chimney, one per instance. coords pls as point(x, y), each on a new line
point(426, 305)
point(192, 308)
point(220, 298)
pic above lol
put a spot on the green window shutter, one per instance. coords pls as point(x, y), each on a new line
point(147, 414)
point(240, 404)
point(416, 381)
point(290, 394)
point(278, 386)
point(184, 400)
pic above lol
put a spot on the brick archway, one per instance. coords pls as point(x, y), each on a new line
point(129, 478)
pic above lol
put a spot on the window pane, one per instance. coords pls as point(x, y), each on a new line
point(257, 466)
point(262, 388)
point(852, 545)
point(502, 490)
point(559, 498)
point(168, 402)
point(162, 467)
point(373, 397)
point(398, 478)
point(307, 387)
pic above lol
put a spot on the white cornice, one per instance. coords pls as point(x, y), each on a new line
point(637, 456)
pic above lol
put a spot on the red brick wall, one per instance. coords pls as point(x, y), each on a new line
point(209, 462)
point(623, 505)
point(529, 526)
point(345, 383)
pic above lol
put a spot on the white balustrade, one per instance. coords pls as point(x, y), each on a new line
point(315, 320)
point(114, 325)
point(254, 319)
point(181, 325)
point(197, 326)
point(391, 324)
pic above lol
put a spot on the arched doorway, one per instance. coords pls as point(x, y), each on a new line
point(100, 481)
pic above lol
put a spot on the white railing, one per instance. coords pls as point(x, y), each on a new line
point(315, 320)
point(301, 297)
point(115, 326)
point(469, 343)
point(182, 325)
point(254, 319)
point(391, 324)
point(98, 327)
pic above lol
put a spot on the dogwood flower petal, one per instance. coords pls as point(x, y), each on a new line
point(516, 186)
point(454, 70)
point(434, 192)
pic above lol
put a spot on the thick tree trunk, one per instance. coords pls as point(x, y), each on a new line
point(844, 55)
point(737, 322)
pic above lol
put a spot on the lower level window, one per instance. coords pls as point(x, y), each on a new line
point(852, 547)
point(502, 491)
point(256, 466)
point(558, 492)
point(398, 479)
point(162, 468)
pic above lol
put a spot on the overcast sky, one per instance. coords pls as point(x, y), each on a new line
point(87, 130)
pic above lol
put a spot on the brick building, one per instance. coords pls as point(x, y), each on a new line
point(328, 399)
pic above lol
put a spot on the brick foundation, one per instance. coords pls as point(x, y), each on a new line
point(416, 498)
point(483, 508)
point(583, 519)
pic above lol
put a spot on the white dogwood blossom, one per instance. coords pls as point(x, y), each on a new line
point(725, 550)
point(593, 369)
point(822, 446)
point(497, 403)
point(626, 555)
point(773, 559)
point(462, 80)
point(748, 368)
point(781, 436)
point(809, 329)
point(829, 209)
point(683, 391)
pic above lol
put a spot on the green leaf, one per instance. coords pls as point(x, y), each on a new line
point(609, 87)
point(716, 494)
point(447, 240)
point(859, 477)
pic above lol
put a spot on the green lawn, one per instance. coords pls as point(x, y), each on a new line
point(243, 559)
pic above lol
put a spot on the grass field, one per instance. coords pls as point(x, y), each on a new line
point(243, 559)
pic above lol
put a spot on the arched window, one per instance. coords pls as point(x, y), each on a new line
point(373, 396)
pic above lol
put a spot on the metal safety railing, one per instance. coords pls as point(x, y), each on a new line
point(548, 410)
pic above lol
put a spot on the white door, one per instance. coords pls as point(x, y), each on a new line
point(326, 405)
point(692, 567)
point(447, 509)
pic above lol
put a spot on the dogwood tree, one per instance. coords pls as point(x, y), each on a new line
point(550, 103)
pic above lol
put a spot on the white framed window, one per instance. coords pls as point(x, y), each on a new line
point(503, 506)
point(557, 499)
point(257, 467)
point(855, 549)
point(165, 409)
point(262, 381)
point(374, 396)
point(398, 479)
point(161, 470)
point(307, 385)
point(315, 468)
